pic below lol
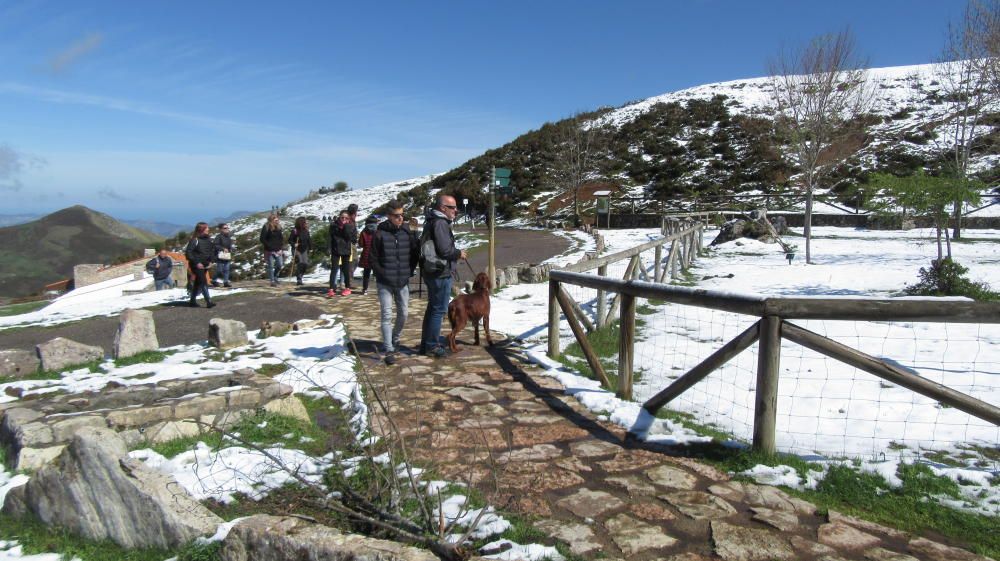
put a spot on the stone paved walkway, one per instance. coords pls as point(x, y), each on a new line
point(493, 417)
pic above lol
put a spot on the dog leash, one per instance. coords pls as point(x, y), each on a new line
point(471, 270)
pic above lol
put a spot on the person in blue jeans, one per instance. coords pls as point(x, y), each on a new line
point(394, 252)
point(273, 241)
point(223, 256)
point(161, 267)
point(438, 270)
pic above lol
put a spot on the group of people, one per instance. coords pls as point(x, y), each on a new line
point(201, 252)
point(391, 251)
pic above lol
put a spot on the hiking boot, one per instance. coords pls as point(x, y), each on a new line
point(390, 358)
point(227, 285)
point(210, 305)
point(437, 352)
point(193, 304)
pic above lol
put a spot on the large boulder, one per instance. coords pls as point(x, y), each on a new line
point(18, 363)
point(60, 353)
point(227, 333)
point(278, 538)
point(136, 333)
point(754, 226)
point(93, 489)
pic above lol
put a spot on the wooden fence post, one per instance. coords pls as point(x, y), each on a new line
point(602, 304)
point(673, 259)
point(657, 256)
point(765, 405)
point(553, 319)
point(626, 346)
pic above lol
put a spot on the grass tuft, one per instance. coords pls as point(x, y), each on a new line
point(143, 357)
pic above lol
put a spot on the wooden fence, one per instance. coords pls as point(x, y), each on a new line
point(769, 330)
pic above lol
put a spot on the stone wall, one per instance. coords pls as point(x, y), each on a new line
point(33, 432)
point(87, 274)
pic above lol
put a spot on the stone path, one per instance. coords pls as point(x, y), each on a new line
point(493, 418)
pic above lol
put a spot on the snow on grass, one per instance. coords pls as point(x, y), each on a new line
point(823, 406)
point(107, 298)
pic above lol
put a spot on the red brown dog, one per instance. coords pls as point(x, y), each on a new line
point(471, 307)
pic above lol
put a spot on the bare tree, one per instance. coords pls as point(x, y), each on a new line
point(818, 91)
point(579, 150)
point(970, 79)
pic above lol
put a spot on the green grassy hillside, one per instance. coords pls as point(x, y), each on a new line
point(44, 251)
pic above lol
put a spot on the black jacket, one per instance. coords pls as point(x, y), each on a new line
point(223, 242)
point(200, 250)
point(437, 226)
point(160, 268)
point(343, 238)
point(300, 241)
point(394, 254)
point(273, 240)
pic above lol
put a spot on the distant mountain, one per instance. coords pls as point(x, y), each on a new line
point(14, 219)
point(231, 218)
point(45, 250)
point(165, 229)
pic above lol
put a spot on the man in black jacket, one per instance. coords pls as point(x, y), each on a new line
point(393, 257)
point(437, 227)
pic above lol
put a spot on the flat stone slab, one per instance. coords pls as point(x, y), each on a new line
point(762, 496)
point(533, 406)
point(842, 536)
point(471, 395)
point(933, 551)
point(533, 454)
point(587, 503)
point(594, 448)
point(699, 506)
point(580, 537)
point(737, 543)
point(779, 519)
point(633, 536)
point(883, 554)
point(651, 511)
point(633, 484)
point(672, 478)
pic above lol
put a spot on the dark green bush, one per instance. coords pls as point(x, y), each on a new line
point(946, 277)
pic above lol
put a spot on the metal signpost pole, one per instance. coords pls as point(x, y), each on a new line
point(493, 219)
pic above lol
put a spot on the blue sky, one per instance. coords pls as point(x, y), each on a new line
point(179, 111)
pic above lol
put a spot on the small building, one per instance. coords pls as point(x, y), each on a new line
point(87, 274)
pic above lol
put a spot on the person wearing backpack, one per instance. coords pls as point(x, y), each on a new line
point(438, 260)
point(343, 237)
point(394, 256)
point(365, 239)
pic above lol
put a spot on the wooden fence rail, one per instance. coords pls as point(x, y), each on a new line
point(773, 326)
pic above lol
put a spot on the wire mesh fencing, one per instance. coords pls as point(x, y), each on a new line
point(824, 406)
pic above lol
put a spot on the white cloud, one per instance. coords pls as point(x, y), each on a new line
point(69, 56)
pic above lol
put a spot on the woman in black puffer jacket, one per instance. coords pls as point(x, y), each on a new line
point(301, 244)
point(200, 252)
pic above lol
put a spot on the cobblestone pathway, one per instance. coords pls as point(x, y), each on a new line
point(575, 477)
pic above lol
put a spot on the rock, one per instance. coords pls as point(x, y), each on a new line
point(736, 543)
point(277, 538)
point(633, 536)
point(535, 453)
point(580, 537)
point(699, 506)
point(882, 554)
point(755, 226)
point(95, 490)
point(36, 458)
point(226, 333)
point(867, 526)
point(60, 353)
point(633, 485)
point(136, 333)
point(671, 477)
point(289, 406)
point(171, 430)
point(273, 329)
point(594, 448)
point(471, 395)
point(933, 551)
point(18, 363)
point(782, 520)
point(587, 503)
point(844, 537)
